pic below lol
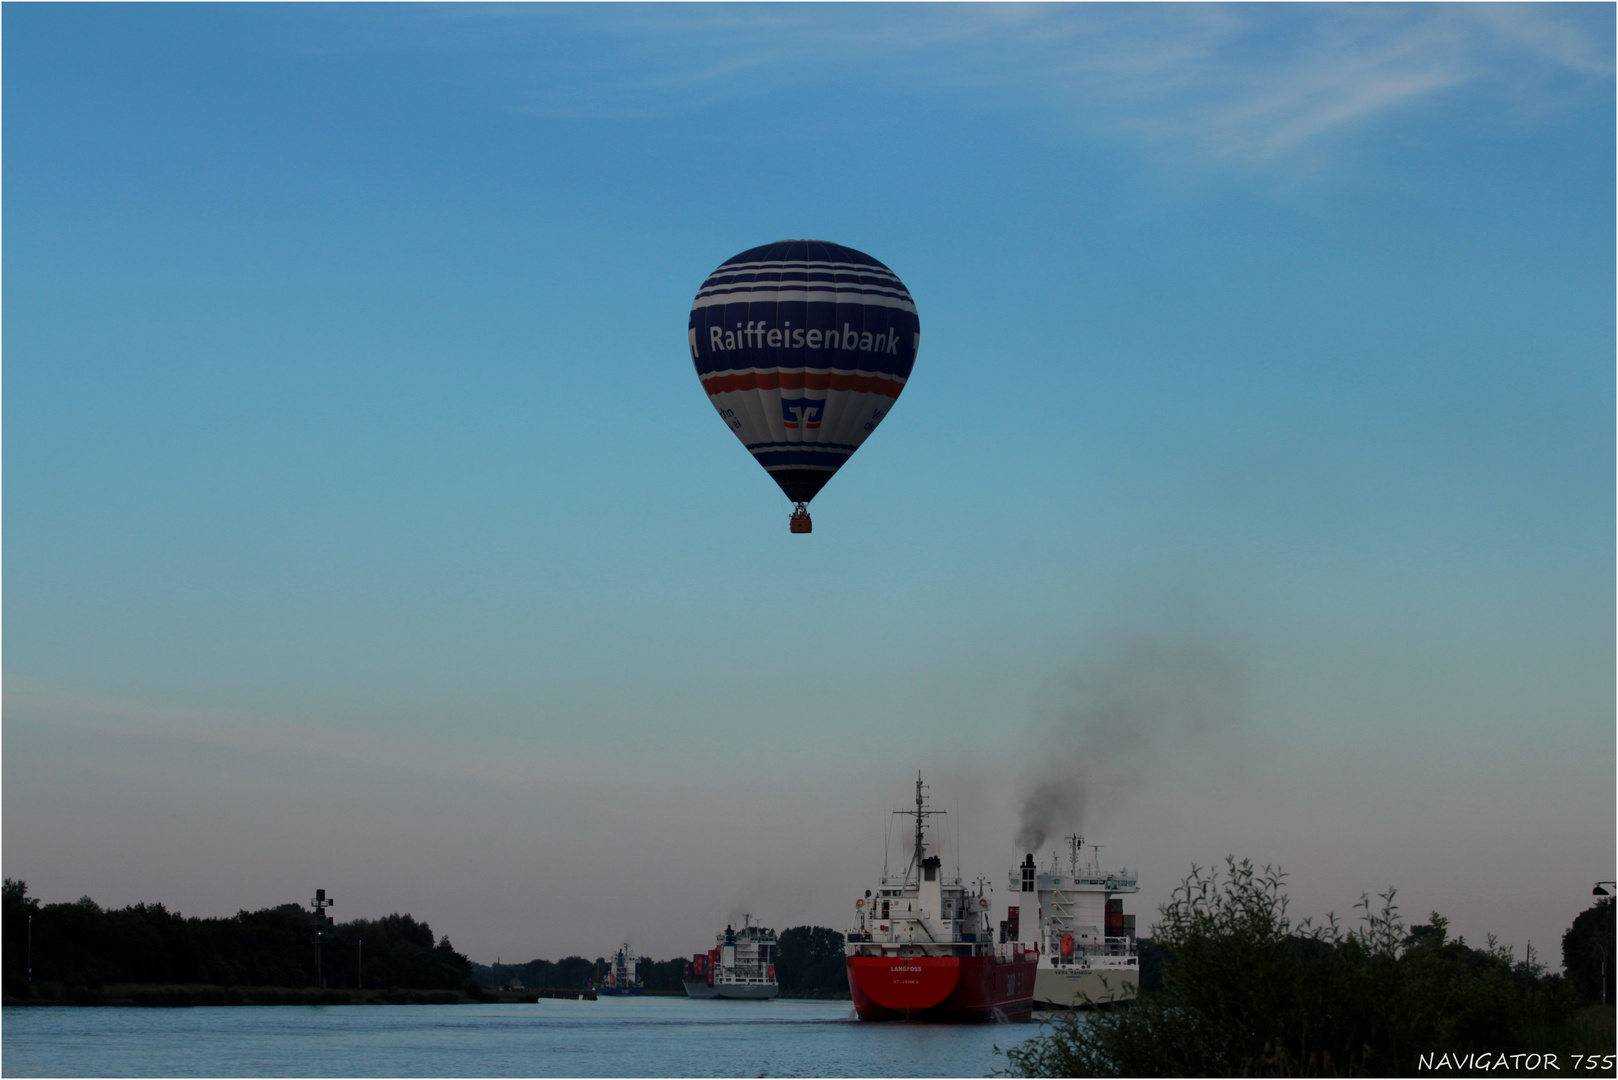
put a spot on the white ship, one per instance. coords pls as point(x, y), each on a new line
point(741, 965)
point(622, 979)
point(1073, 917)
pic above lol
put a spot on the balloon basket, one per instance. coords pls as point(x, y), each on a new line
point(800, 520)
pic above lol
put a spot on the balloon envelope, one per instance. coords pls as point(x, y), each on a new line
point(803, 346)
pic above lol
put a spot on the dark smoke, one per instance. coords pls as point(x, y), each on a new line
point(1116, 715)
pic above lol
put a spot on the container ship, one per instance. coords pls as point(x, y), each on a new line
point(741, 966)
point(1073, 918)
point(921, 947)
point(622, 980)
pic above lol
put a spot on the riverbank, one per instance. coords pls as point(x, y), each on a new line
point(150, 995)
point(159, 996)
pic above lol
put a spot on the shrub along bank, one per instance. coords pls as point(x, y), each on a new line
point(1243, 991)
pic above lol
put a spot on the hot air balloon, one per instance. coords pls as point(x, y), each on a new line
point(803, 346)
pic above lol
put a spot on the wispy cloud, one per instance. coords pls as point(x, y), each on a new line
point(1257, 85)
point(216, 734)
point(1262, 90)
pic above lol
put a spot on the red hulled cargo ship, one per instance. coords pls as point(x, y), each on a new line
point(922, 949)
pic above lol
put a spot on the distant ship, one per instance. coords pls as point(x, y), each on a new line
point(922, 948)
point(1073, 918)
point(622, 980)
point(741, 965)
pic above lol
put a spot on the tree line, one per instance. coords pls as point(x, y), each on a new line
point(52, 950)
point(82, 945)
point(808, 960)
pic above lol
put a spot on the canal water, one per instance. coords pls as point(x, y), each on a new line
point(648, 1036)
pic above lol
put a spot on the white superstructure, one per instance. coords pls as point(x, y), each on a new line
point(622, 979)
point(1073, 916)
point(923, 911)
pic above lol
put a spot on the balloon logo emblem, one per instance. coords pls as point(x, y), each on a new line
point(803, 346)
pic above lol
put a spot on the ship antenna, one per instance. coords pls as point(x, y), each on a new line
point(921, 814)
point(919, 818)
point(1095, 859)
point(887, 824)
point(957, 840)
point(1074, 843)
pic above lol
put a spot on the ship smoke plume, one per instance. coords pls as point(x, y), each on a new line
point(1114, 716)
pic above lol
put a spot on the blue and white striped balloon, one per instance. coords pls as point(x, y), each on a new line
point(803, 346)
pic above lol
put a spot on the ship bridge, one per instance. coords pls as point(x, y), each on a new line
point(924, 911)
point(1072, 912)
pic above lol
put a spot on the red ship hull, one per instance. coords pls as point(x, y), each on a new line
point(942, 989)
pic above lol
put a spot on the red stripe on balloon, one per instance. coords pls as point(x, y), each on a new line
point(801, 380)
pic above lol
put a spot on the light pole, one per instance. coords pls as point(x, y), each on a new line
point(1599, 891)
point(320, 903)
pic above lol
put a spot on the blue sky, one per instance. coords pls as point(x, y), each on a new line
point(366, 526)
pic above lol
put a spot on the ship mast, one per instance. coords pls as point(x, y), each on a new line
point(920, 813)
point(1074, 843)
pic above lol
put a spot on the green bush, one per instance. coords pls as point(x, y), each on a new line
point(1246, 992)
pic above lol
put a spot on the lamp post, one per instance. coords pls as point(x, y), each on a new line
point(1599, 891)
point(320, 903)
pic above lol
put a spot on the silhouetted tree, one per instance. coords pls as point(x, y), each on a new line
point(811, 958)
point(15, 908)
point(1587, 952)
point(81, 944)
point(568, 973)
